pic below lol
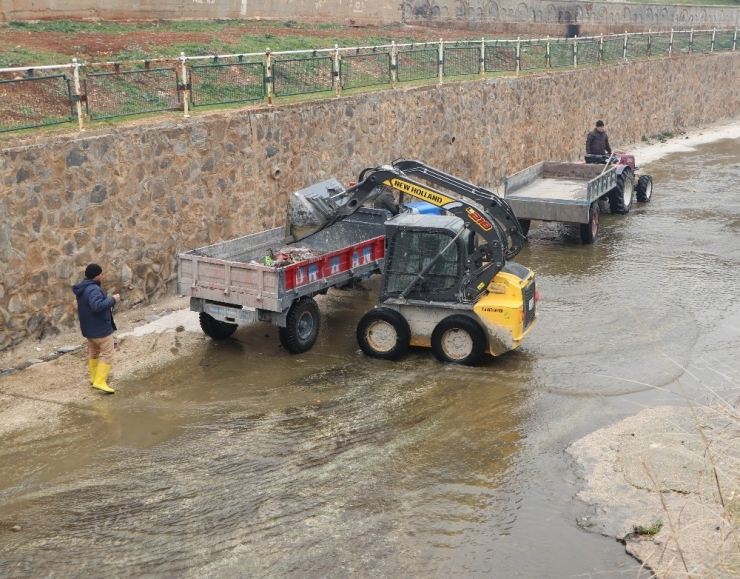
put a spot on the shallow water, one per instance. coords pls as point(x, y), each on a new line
point(244, 461)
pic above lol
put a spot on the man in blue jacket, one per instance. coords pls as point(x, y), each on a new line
point(96, 323)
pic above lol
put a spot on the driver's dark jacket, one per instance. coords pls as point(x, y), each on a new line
point(597, 143)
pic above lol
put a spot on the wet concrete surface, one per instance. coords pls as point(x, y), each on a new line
point(244, 461)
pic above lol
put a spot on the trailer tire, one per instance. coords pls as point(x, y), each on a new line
point(590, 230)
point(459, 340)
point(214, 328)
point(644, 189)
point(524, 224)
point(620, 198)
point(302, 326)
point(384, 333)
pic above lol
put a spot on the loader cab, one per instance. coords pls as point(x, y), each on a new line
point(412, 242)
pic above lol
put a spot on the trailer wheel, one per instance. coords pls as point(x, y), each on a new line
point(302, 329)
point(620, 198)
point(644, 188)
point(214, 328)
point(590, 230)
point(460, 340)
point(383, 333)
point(524, 224)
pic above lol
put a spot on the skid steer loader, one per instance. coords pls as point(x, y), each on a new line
point(448, 283)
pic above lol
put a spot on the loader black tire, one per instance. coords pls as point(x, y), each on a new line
point(525, 223)
point(214, 328)
point(459, 340)
point(590, 230)
point(644, 189)
point(620, 198)
point(302, 326)
point(383, 333)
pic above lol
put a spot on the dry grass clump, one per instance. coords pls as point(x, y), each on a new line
point(700, 526)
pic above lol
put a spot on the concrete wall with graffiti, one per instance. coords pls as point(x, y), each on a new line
point(612, 13)
point(545, 11)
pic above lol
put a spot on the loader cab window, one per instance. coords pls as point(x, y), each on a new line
point(410, 252)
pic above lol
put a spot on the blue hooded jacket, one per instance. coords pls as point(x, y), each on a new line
point(93, 307)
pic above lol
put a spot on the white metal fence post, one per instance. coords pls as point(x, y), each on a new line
point(601, 50)
point(575, 52)
point(670, 44)
point(483, 58)
point(184, 85)
point(650, 46)
point(441, 63)
point(547, 54)
point(624, 49)
point(394, 64)
point(76, 76)
point(734, 40)
point(518, 54)
point(691, 41)
point(714, 32)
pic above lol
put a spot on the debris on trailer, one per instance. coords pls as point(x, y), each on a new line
point(288, 255)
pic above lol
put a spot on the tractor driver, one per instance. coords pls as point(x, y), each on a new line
point(597, 142)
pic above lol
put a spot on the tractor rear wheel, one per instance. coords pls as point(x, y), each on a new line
point(620, 198)
point(383, 333)
point(590, 230)
point(644, 188)
point(214, 328)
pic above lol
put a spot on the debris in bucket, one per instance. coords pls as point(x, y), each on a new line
point(288, 255)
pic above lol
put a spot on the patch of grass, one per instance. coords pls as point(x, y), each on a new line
point(653, 529)
point(11, 56)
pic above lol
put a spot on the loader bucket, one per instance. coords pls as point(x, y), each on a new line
point(311, 209)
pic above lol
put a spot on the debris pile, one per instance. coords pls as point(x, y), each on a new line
point(288, 255)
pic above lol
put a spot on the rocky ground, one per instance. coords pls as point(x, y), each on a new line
point(652, 472)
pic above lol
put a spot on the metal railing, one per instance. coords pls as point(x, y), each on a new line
point(49, 95)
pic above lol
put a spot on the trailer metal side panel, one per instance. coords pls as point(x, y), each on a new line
point(230, 272)
point(551, 191)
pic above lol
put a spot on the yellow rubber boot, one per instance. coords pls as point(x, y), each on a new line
point(101, 378)
point(93, 364)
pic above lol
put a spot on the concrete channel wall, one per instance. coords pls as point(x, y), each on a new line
point(546, 11)
point(133, 196)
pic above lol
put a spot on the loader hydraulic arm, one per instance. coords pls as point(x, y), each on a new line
point(483, 264)
point(497, 207)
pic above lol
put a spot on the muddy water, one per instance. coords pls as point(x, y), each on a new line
point(243, 461)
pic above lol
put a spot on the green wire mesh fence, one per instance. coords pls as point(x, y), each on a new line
point(660, 45)
point(35, 101)
point(31, 98)
point(302, 75)
point(417, 64)
point(461, 61)
point(588, 51)
point(702, 42)
point(361, 70)
point(500, 58)
point(532, 56)
point(212, 84)
point(613, 49)
point(637, 47)
point(561, 53)
point(724, 40)
point(131, 92)
point(681, 43)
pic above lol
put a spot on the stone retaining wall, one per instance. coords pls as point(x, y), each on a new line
point(131, 197)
